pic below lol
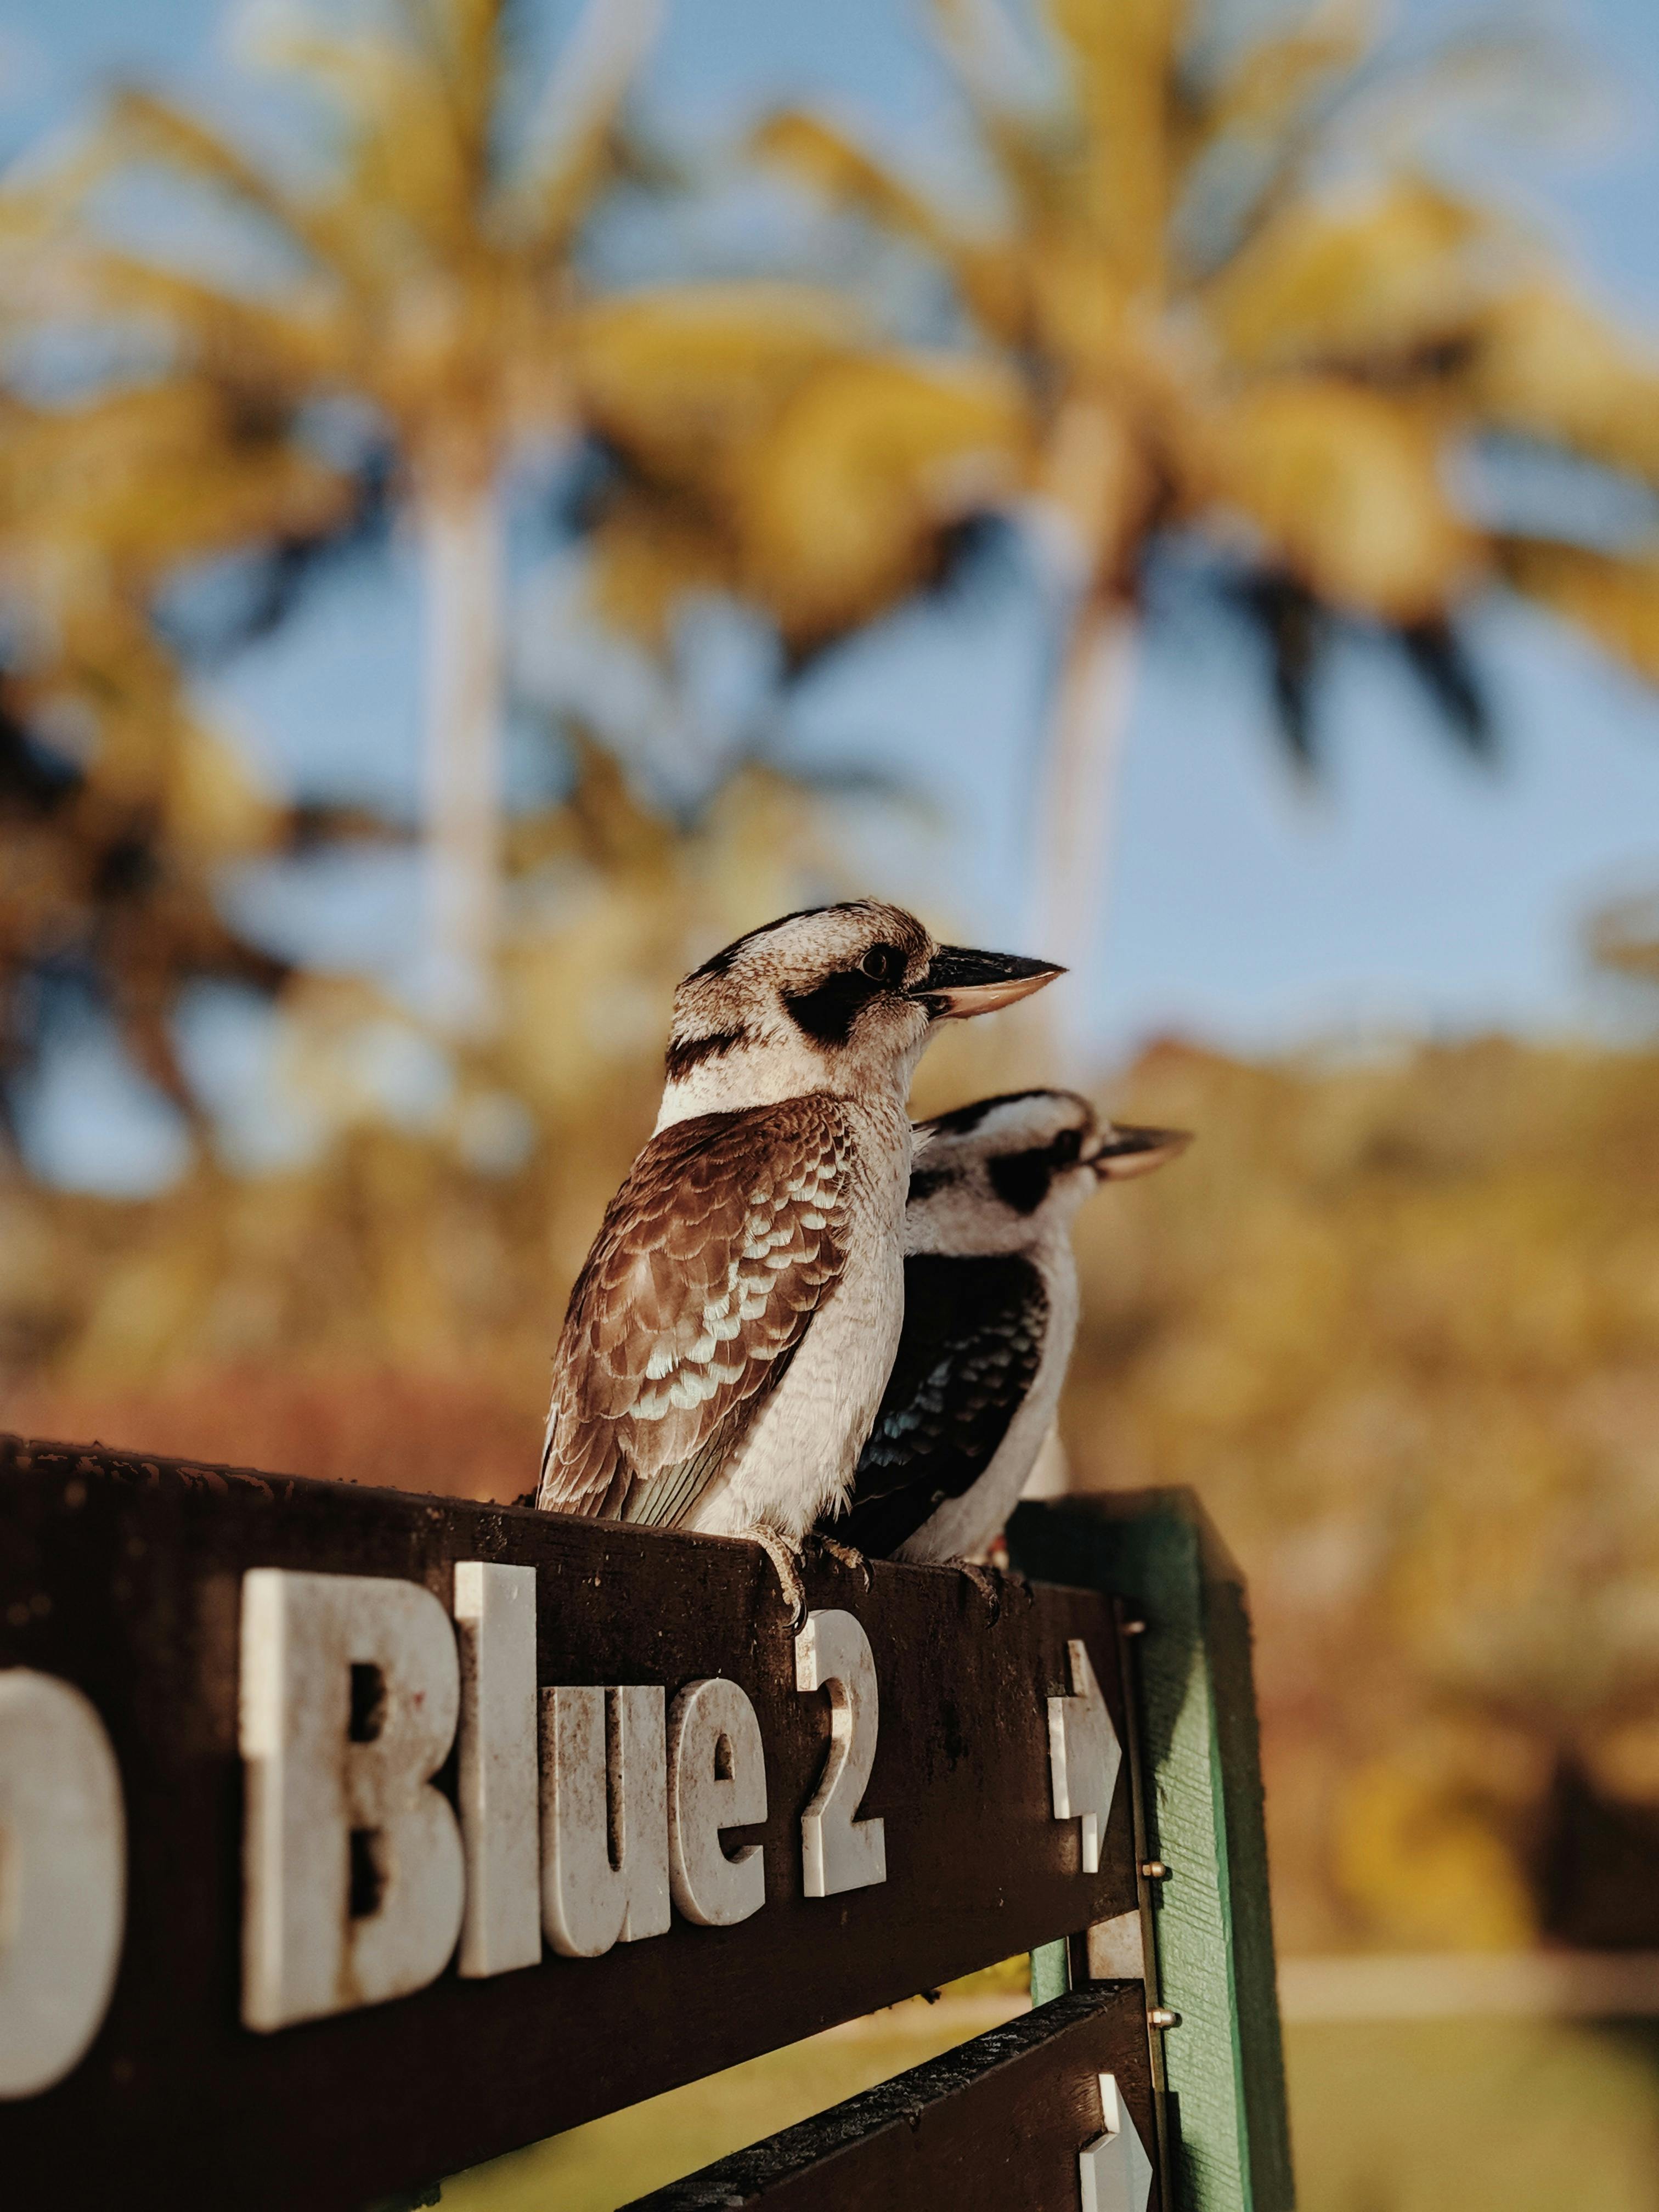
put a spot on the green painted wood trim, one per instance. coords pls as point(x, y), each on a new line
point(1051, 1971)
point(1158, 1550)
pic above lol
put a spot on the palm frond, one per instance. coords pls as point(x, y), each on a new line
point(1614, 597)
point(1123, 62)
point(844, 174)
point(141, 124)
point(466, 42)
point(1371, 285)
point(408, 164)
point(1272, 81)
point(1344, 486)
point(1293, 628)
point(574, 144)
point(843, 499)
point(1545, 364)
point(678, 378)
point(294, 344)
point(990, 272)
point(1438, 657)
point(650, 549)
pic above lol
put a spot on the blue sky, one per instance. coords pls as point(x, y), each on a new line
point(1412, 891)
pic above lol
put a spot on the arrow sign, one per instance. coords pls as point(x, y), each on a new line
point(1114, 2171)
point(1084, 1755)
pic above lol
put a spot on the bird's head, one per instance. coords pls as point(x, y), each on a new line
point(838, 998)
point(1000, 1174)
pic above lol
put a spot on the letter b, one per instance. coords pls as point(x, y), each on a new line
point(353, 1881)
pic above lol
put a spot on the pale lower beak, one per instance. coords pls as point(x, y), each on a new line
point(959, 983)
point(1125, 1152)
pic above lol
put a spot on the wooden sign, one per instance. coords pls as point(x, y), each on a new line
point(348, 1839)
point(1055, 2108)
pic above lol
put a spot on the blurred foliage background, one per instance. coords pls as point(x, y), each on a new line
point(1211, 314)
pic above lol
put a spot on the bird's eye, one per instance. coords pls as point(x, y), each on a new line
point(882, 963)
point(1066, 1146)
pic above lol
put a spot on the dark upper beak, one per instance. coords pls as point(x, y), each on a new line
point(959, 983)
point(1124, 1151)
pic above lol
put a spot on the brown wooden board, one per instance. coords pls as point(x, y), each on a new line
point(996, 2123)
point(124, 1577)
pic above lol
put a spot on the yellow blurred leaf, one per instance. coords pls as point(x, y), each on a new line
point(842, 498)
point(214, 807)
point(835, 166)
point(646, 555)
point(144, 126)
point(1616, 599)
point(1547, 366)
point(1345, 486)
point(681, 376)
point(1122, 59)
point(1274, 78)
point(1383, 280)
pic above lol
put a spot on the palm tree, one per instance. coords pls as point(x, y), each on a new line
point(120, 809)
point(430, 276)
point(1211, 322)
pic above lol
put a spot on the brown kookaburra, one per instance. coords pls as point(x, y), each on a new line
point(990, 1314)
point(729, 1336)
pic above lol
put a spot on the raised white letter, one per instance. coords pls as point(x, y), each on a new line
point(837, 1852)
point(63, 1878)
point(354, 1882)
point(716, 1779)
point(495, 1629)
point(605, 1818)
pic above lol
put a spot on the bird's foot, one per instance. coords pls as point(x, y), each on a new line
point(986, 1580)
point(785, 1558)
point(844, 1555)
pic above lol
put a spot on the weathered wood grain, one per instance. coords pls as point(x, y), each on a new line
point(123, 1577)
point(996, 2123)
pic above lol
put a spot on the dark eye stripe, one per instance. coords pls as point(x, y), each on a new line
point(1021, 1180)
point(828, 1014)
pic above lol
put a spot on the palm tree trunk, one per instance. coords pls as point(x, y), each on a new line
point(1073, 818)
point(462, 581)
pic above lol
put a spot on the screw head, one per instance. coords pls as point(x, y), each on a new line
point(1154, 1870)
point(1161, 2016)
point(1135, 1628)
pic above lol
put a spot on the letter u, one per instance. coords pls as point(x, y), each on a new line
point(604, 1817)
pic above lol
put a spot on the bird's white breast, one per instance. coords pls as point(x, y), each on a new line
point(796, 1462)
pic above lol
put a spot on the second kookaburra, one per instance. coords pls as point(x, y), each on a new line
point(990, 1313)
point(728, 1338)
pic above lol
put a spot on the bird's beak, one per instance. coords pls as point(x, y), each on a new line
point(1124, 1151)
point(960, 983)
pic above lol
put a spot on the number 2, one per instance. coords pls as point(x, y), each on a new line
point(838, 1852)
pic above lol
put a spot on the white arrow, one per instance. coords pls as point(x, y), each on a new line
point(1114, 2171)
point(1084, 1755)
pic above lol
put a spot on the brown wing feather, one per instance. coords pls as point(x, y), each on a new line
point(729, 1232)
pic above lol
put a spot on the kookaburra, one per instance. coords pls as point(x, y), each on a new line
point(990, 1313)
point(728, 1338)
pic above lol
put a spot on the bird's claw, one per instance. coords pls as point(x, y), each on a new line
point(985, 1580)
point(787, 1560)
point(847, 1556)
